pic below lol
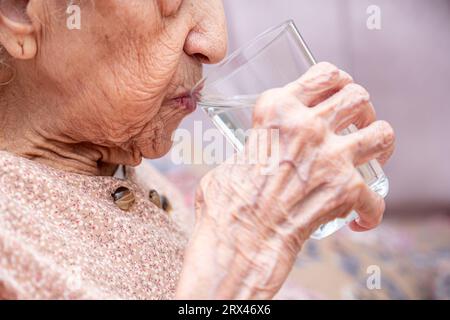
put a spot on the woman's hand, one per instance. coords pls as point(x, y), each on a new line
point(251, 226)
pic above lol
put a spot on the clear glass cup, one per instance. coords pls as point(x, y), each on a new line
point(273, 59)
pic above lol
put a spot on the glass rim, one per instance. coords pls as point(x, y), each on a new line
point(279, 29)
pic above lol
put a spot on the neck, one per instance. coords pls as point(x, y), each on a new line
point(81, 158)
point(36, 137)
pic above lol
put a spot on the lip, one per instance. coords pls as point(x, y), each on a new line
point(186, 101)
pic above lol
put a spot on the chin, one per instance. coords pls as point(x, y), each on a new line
point(156, 144)
point(156, 151)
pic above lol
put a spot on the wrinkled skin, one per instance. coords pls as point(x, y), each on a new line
point(252, 226)
point(87, 100)
point(104, 94)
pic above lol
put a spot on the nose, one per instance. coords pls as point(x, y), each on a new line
point(208, 40)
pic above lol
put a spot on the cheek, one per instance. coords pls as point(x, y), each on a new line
point(135, 96)
point(122, 122)
point(115, 89)
point(125, 98)
point(121, 104)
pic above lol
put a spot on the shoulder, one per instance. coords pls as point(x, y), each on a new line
point(15, 174)
point(19, 169)
point(24, 272)
point(9, 163)
point(27, 274)
point(23, 181)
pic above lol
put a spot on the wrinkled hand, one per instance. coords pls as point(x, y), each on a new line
point(250, 227)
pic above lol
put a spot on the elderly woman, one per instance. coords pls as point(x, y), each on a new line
point(76, 105)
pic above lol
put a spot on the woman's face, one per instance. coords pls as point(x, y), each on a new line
point(118, 82)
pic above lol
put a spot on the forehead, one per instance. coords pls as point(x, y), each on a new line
point(122, 6)
point(164, 7)
point(116, 15)
point(122, 11)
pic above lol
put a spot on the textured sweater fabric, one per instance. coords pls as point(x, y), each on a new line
point(62, 236)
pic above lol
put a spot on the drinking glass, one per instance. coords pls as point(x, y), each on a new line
point(273, 59)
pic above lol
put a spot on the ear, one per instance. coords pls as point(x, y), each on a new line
point(17, 33)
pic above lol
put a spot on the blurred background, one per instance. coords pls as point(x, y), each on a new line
point(405, 65)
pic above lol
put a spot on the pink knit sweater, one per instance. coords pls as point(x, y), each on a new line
point(62, 236)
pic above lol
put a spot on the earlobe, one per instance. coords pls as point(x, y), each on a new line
point(17, 34)
point(20, 47)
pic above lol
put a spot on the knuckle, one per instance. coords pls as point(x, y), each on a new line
point(320, 75)
point(268, 102)
point(358, 92)
point(271, 106)
point(328, 69)
point(387, 134)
